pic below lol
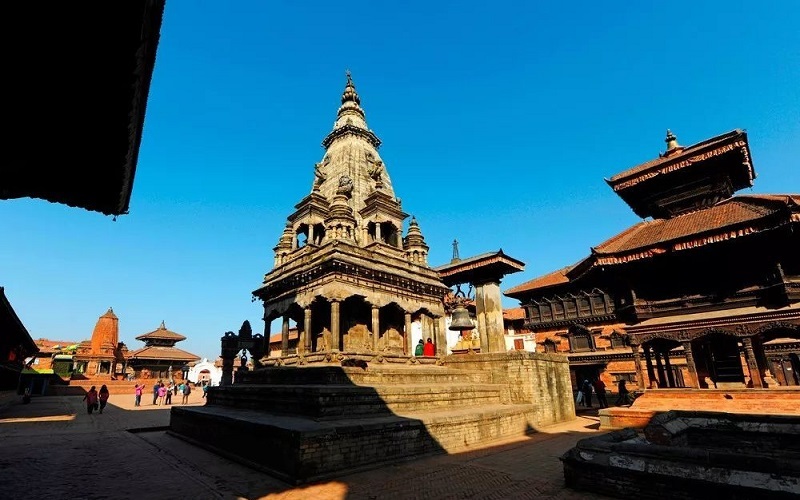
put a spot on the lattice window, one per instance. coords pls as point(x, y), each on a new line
point(550, 346)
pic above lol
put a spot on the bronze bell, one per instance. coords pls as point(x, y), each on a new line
point(461, 320)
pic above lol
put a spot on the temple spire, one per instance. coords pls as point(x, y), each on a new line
point(672, 142)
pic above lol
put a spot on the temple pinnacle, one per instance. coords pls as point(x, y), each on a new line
point(671, 140)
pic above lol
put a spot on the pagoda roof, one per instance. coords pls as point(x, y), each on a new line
point(162, 333)
point(735, 217)
point(162, 353)
point(92, 80)
point(485, 266)
point(685, 178)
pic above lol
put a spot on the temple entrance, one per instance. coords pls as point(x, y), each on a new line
point(392, 325)
point(585, 372)
point(356, 316)
point(660, 370)
point(721, 359)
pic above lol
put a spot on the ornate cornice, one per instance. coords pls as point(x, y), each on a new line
point(350, 129)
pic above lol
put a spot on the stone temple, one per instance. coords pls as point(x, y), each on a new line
point(353, 394)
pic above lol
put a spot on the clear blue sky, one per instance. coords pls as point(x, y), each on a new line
point(499, 122)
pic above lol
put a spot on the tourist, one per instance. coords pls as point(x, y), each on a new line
point(420, 350)
point(587, 393)
point(103, 397)
point(429, 349)
point(187, 389)
point(155, 392)
point(205, 389)
point(137, 391)
point(91, 400)
point(169, 394)
point(162, 392)
point(622, 397)
point(600, 390)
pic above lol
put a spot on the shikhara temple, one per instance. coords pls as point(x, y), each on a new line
point(704, 293)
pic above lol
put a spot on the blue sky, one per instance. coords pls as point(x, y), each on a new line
point(499, 122)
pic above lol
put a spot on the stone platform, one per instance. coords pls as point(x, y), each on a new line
point(774, 401)
point(692, 455)
point(316, 421)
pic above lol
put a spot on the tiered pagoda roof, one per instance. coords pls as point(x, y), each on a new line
point(160, 346)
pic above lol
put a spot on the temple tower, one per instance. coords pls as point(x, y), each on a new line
point(343, 272)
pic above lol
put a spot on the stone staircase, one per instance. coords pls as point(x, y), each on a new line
point(308, 423)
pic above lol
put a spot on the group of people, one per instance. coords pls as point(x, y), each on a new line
point(96, 400)
point(425, 348)
point(162, 393)
point(598, 387)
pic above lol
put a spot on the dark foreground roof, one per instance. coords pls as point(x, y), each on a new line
point(76, 77)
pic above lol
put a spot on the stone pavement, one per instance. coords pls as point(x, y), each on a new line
point(52, 448)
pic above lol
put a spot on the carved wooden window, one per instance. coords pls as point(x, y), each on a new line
point(533, 313)
point(570, 308)
point(581, 342)
point(519, 345)
point(547, 312)
point(558, 311)
point(550, 346)
point(598, 304)
point(617, 341)
point(583, 307)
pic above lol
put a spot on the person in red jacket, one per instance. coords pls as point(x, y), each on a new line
point(91, 399)
point(429, 349)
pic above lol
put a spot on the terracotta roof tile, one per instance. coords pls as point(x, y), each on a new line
point(162, 333)
point(514, 314)
point(162, 353)
point(686, 151)
point(554, 278)
point(736, 210)
point(46, 345)
point(276, 337)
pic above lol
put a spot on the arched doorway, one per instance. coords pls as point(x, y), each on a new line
point(719, 360)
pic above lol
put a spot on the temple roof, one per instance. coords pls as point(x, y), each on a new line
point(162, 333)
point(684, 179)
point(162, 353)
point(735, 217)
point(491, 265)
point(79, 90)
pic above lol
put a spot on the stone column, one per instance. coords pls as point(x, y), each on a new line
point(377, 231)
point(376, 327)
point(637, 360)
point(668, 369)
point(687, 351)
point(651, 376)
point(310, 240)
point(752, 363)
point(267, 331)
point(440, 327)
point(489, 308)
point(285, 336)
point(335, 318)
point(307, 329)
point(407, 335)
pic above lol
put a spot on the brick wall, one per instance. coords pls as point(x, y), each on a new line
point(533, 378)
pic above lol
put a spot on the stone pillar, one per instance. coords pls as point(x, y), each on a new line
point(377, 231)
point(335, 319)
point(376, 327)
point(441, 336)
point(310, 240)
point(489, 310)
point(307, 329)
point(637, 361)
point(267, 331)
point(651, 376)
point(752, 363)
point(687, 351)
point(285, 336)
point(668, 369)
point(407, 335)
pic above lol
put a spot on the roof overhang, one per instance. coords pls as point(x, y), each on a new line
point(77, 79)
point(479, 269)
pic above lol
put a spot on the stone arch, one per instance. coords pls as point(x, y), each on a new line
point(356, 317)
point(320, 324)
point(392, 326)
point(777, 329)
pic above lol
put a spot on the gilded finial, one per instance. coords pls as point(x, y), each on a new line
point(348, 75)
point(456, 257)
point(671, 140)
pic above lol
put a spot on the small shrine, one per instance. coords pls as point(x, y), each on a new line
point(159, 358)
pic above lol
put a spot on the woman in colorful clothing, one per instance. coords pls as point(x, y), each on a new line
point(137, 391)
point(162, 392)
point(91, 400)
point(103, 397)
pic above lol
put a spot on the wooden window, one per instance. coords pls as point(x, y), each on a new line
point(519, 345)
point(558, 311)
point(570, 308)
point(617, 341)
point(581, 342)
point(533, 313)
point(550, 346)
point(583, 307)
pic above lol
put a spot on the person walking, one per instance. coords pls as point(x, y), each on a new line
point(420, 350)
point(205, 390)
point(600, 390)
point(137, 392)
point(622, 393)
point(170, 388)
point(587, 393)
point(429, 349)
point(155, 392)
point(91, 400)
point(187, 389)
point(103, 396)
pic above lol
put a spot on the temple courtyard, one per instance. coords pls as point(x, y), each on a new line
point(51, 448)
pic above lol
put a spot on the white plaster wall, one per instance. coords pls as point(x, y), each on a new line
point(215, 372)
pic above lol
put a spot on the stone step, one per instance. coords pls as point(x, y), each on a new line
point(298, 449)
point(353, 401)
point(372, 375)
